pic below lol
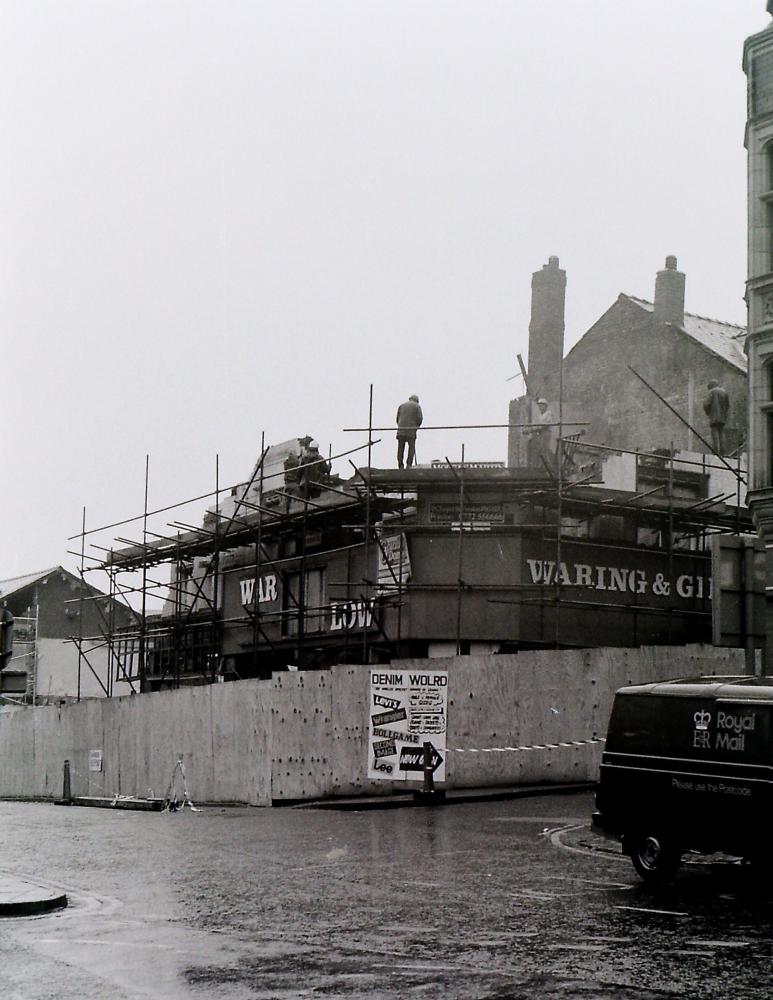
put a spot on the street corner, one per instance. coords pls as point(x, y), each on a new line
point(586, 839)
point(22, 898)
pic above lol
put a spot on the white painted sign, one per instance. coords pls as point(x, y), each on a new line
point(95, 760)
point(406, 709)
point(267, 590)
point(351, 615)
point(617, 579)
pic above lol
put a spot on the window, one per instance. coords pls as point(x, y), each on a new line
point(610, 527)
point(312, 608)
point(767, 408)
point(767, 198)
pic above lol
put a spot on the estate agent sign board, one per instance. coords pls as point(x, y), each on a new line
point(407, 708)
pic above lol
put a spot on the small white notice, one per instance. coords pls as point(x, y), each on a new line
point(95, 760)
point(407, 708)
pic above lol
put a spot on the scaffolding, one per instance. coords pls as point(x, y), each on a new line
point(24, 659)
point(183, 565)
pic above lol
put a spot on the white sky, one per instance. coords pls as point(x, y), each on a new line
point(222, 218)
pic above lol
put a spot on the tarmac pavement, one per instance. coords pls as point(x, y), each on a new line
point(19, 897)
point(502, 900)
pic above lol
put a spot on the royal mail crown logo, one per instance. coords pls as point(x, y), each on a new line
point(702, 719)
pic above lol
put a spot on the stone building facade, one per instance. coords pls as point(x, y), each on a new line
point(675, 352)
point(758, 66)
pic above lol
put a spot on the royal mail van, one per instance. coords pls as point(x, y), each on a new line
point(688, 765)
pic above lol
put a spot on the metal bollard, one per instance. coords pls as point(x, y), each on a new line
point(429, 779)
point(428, 795)
point(66, 785)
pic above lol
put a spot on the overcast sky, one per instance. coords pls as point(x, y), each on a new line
point(219, 219)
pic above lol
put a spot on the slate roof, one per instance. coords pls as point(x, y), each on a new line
point(726, 340)
point(15, 583)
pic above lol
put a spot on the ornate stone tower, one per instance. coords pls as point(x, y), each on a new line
point(758, 66)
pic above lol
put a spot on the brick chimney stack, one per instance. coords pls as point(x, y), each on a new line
point(669, 294)
point(546, 328)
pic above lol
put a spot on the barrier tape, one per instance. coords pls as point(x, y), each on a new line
point(534, 746)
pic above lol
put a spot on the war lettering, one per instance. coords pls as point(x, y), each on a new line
point(267, 590)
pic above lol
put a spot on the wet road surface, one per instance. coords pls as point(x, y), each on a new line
point(512, 900)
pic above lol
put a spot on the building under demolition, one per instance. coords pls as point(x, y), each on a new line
point(591, 534)
point(43, 611)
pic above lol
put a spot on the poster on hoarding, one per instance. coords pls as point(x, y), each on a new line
point(407, 708)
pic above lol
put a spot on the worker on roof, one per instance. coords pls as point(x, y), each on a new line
point(315, 470)
point(409, 420)
point(543, 437)
point(716, 406)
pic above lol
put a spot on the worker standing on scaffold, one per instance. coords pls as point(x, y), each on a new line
point(409, 420)
point(543, 437)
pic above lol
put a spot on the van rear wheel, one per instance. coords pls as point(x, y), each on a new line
point(654, 854)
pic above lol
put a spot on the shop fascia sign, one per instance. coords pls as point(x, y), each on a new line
point(618, 579)
point(344, 615)
point(350, 615)
point(266, 586)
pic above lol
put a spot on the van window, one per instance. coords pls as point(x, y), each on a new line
point(660, 725)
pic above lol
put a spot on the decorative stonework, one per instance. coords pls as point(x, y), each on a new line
point(767, 308)
point(762, 84)
point(758, 65)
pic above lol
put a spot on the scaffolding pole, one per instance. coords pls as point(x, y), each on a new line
point(187, 642)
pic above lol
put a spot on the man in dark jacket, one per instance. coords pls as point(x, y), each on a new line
point(716, 407)
point(409, 419)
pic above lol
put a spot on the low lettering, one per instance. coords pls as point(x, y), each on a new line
point(350, 615)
